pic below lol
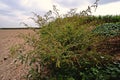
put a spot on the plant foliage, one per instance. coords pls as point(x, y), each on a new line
point(108, 29)
point(64, 48)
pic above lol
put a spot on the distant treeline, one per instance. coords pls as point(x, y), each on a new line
point(18, 28)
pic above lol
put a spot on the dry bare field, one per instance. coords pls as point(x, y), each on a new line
point(8, 38)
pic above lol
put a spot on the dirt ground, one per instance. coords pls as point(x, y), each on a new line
point(8, 38)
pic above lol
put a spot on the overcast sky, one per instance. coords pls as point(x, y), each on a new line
point(12, 12)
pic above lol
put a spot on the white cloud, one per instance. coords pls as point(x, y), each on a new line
point(108, 9)
point(8, 21)
point(14, 16)
point(37, 4)
point(71, 3)
point(4, 6)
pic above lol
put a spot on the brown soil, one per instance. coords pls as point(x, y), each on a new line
point(8, 38)
point(111, 46)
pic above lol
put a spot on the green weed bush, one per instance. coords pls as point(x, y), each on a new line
point(64, 49)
